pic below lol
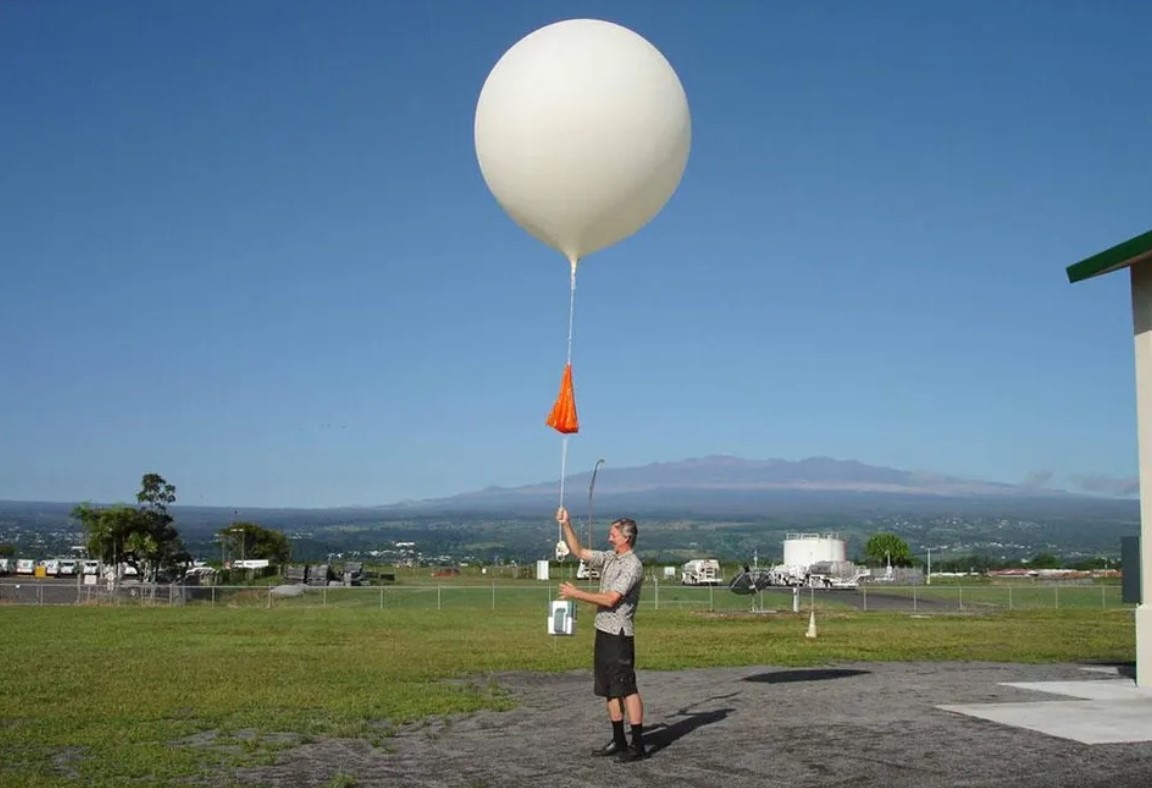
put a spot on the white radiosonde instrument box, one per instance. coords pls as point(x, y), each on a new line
point(562, 618)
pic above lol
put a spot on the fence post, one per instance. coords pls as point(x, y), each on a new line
point(493, 594)
point(438, 604)
point(914, 607)
point(711, 609)
point(269, 597)
point(960, 591)
point(656, 583)
point(213, 596)
point(381, 597)
point(1103, 596)
point(864, 590)
point(324, 597)
point(1009, 597)
point(1056, 589)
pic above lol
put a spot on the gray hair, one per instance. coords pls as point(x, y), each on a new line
point(628, 529)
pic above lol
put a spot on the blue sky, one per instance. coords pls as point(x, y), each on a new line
point(247, 245)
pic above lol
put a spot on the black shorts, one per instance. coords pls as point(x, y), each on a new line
point(614, 672)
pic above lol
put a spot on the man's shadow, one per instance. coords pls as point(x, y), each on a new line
point(815, 674)
point(663, 735)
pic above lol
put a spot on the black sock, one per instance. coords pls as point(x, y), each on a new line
point(638, 737)
point(618, 733)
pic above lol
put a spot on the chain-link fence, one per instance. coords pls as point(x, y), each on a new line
point(656, 595)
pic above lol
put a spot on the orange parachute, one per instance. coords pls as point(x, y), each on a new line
point(563, 416)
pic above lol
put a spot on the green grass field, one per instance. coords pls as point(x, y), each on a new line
point(109, 694)
point(504, 594)
point(1009, 596)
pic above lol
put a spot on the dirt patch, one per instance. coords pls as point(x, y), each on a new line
point(64, 762)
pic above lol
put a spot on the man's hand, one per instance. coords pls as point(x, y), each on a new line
point(569, 536)
point(609, 599)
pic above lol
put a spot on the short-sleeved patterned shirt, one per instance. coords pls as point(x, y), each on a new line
point(624, 574)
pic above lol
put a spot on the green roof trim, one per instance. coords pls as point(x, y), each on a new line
point(1122, 255)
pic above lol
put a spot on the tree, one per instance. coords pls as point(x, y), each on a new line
point(107, 530)
point(158, 541)
point(1045, 561)
point(251, 540)
point(883, 547)
point(155, 493)
point(7, 550)
point(1086, 565)
point(976, 562)
point(144, 537)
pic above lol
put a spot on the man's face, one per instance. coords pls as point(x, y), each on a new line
point(616, 539)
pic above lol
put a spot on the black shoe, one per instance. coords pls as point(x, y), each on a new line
point(632, 754)
point(611, 748)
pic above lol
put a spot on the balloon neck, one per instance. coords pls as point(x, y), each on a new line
point(573, 261)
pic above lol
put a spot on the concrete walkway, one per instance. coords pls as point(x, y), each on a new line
point(1113, 711)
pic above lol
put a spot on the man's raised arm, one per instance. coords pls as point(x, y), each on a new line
point(570, 535)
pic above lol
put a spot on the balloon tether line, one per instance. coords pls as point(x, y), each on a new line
point(571, 305)
point(563, 467)
point(564, 444)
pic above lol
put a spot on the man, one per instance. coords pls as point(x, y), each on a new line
point(614, 668)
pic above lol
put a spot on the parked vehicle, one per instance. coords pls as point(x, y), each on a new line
point(584, 572)
point(701, 572)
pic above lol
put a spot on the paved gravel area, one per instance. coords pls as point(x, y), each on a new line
point(859, 724)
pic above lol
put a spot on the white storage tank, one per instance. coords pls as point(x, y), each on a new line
point(807, 549)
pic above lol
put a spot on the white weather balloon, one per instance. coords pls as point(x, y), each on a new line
point(582, 134)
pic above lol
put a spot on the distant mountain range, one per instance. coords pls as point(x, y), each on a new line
point(712, 486)
point(721, 504)
point(722, 481)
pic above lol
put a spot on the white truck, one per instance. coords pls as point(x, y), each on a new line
point(585, 572)
point(836, 574)
point(701, 572)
